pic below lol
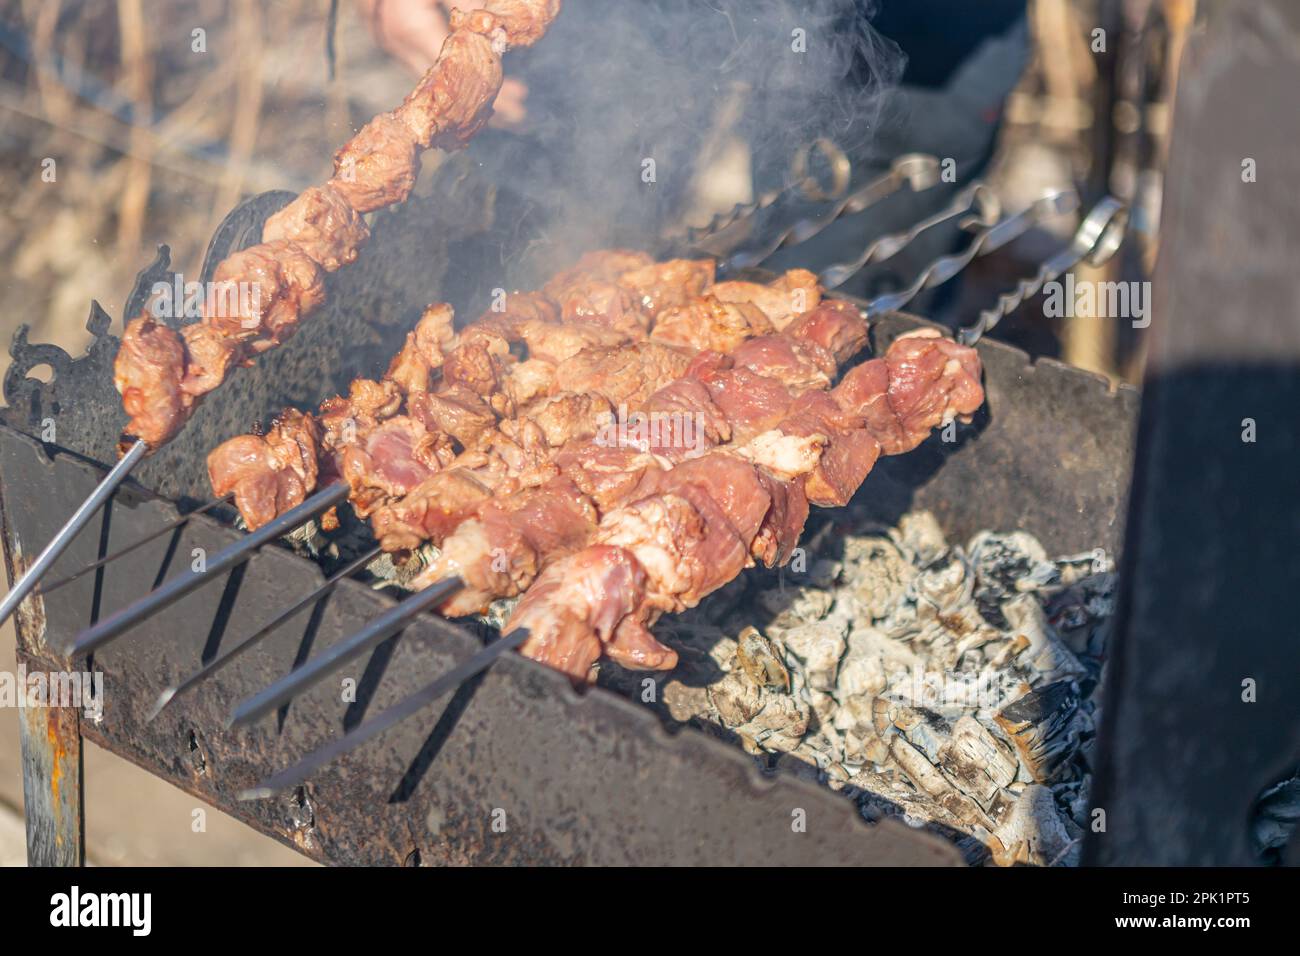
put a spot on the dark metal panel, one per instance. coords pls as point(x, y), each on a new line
point(1212, 566)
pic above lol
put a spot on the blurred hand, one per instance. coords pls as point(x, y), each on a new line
point(413, 32)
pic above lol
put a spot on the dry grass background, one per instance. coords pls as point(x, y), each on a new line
point(169, 142)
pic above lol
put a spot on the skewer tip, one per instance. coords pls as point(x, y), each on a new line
point(160, 705)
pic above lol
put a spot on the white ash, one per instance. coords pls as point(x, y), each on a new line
point(954, 687)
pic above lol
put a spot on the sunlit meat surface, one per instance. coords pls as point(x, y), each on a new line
point(453, 99)
point(708, 323)
point(623, 375)
point(260, 294)
point(148, 373)
point(268, 474)
point(323, 225)
point(791, 295)
point(700, 523)
point(210, 356)
point(667, 285)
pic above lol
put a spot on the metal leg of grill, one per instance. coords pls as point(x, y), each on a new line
point(53, 800)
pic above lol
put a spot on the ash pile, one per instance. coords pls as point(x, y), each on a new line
point(955, 687)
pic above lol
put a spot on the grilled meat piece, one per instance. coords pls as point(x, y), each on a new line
point(606, 304)
point(625, 375)
point(500, 550)
point(511, 23)
point(453, 99)
point(791, 295)
point(835, 326)
point(378, 166)
point(531, 379)
point(799, 365)
point(666, 285)
point(390, 460)
point(554, 342)
point(322, 224)
point(564, 418)
point(148, 372)
point(268, 474)
point(454, 411)
point(261, 293)
point(573, 608)
point(432, 510)
point(706, 322)
point(425, 349)
point(209, 358)
point(927, 381)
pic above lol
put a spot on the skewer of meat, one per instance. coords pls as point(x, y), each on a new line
point(669, 532)
point(389, 435)
point(289, 454)
point(500, 547)
point(494, 544)
point(162, 375)
point(498, 544)
point(694, 531)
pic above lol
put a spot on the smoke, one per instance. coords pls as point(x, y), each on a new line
point(621, 91)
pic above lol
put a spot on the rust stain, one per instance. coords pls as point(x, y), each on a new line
point(59, 754)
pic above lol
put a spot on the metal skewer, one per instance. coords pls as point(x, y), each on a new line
point(123, 552)
point(915, 170)
point(986, 240)
point(228, 557)
point(314, 670)
point(203, 673)
point(393, 715)
point(1096, 239)
point(981, 201)
point(103, 491)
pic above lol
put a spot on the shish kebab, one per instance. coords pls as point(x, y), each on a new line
point(686, 531)
point(795, 339)
point(332, 494)
point(990, 236)
point(444, 396)
point(162, 375)
point(795, 448)
point(500, 544)
point(575, 623)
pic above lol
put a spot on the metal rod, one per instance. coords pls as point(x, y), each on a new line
point(123, 552)
point(228, 557)
point(977, 199)
point(986, 240)
point(393, 715)
point(314, 670)
point(203, 673)
point(915, 170)
point(70, 529)
point(1097, 239)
